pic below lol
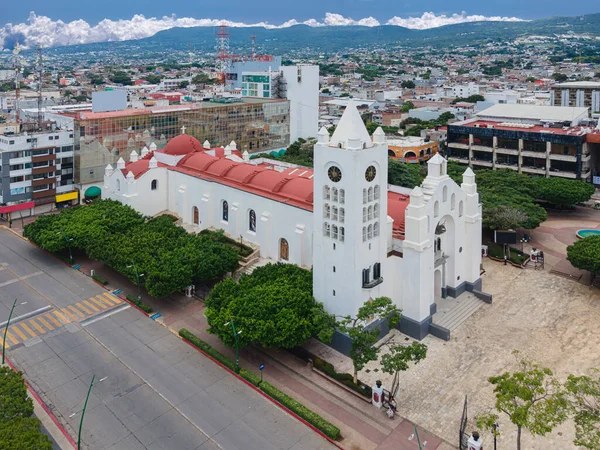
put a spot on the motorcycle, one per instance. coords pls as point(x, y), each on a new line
point(391, 409)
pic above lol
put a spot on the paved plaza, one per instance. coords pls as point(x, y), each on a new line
point(153, 391)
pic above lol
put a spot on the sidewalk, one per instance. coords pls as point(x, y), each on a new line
point(363, 427)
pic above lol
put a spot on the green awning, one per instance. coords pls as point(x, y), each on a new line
point(93, 191)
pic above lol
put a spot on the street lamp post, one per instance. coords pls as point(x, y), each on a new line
point(6, 328)
point(237, 347)
point(87, 397)
point(68, 241)
point(137, 276)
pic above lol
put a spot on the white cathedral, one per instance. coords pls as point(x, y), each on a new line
point(362, 237)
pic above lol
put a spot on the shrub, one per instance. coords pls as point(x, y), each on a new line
point(99, 279)
point(345, 378)
point(302, 411)
point(140, 304)
point(206, 348)
point(250, 377)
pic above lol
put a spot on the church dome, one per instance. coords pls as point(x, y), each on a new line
point(182, 145)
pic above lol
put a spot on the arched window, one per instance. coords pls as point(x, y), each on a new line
point(225, 213)
point(252, 220)
point(284, 249)
point(342, 215)
point(445, 194)
point(334, 232)
point(364, 196)
point(422, 153)
point(326, 211)
point(376, 192)
point(334, 213)
point(195, 216)
point(118, 185)
point(364, 234)
point(370, 194)
point(326, 194)
point(326, 229)
point(342, 196)
point(376, 211)
point(334, 195)
point(452, 201)
point(370, 213)
point(439, 244)
point(364, 215)
point(376, 229)
point(342, 234)
point(460, 209)
point(154, 185)
point(370, 232)
point(436, 209)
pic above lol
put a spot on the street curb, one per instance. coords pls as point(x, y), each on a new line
point(45, 407)
point(300, 419)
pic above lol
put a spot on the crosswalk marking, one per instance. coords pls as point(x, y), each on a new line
point(11, 338)
point(75, 310)
point(91, 305)
point(19, 332)
point(37, 326)
point(65, 315)
point(82, 307)
point(45, 322)
point(99, 300)
point(115, 300)
point(26, 328)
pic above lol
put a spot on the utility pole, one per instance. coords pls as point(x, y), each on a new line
point(6, 329)
point(68, 241)
point(137, 276)
point(237, 347)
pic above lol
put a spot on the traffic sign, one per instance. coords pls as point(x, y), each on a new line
point(261, 367)
point(155, 316)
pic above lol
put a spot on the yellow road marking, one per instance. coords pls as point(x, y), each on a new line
point(81, 306)
point(112, 299)
point(19, 332)
point(46, 323)
point(11, 338)
point(36, 326)
point(66, 317)
point(91, 305)
point(98, 301)
point(29, 330)
point(75, 310)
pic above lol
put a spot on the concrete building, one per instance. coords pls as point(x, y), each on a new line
point(411, 149)
point(36, 170)
point(537, 140)
point(302, 91)
point(577, 93)
point(362, 238)
point(237, 69)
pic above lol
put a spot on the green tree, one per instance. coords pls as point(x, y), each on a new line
point(183, 84)
point(326, 91)
point(563, 192)
point(23, 434)
point(407, 106)
point(344, 94)
point(153, 79)
point(531, 398)
point(405, 175)
point(372, 126)
point(505, 217)
point(121, 77)
point(531, 79)
point(470, 99)
point(400, 356)
point(273, 307)
point(14, 402)
point(585, 255)
point(408, 84)
point(364, 338)
point(585, 397)
point(559, 77)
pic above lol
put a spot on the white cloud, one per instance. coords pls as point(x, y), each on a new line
point(47, 32)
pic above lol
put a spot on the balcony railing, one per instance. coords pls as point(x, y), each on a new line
point(371, 284)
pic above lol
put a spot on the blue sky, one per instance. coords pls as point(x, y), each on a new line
point(277, 11)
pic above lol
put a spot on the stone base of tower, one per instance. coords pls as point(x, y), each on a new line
point(414, 329)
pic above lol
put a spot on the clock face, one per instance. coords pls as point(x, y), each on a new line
point(335, 174)
point(370, 173)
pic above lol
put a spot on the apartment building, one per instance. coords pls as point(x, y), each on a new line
point(536, 140)
point(36, 170)
point(577, 93)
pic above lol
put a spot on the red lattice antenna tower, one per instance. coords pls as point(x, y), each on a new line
point(223, 55)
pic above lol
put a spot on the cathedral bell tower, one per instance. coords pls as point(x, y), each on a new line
point(350, 215)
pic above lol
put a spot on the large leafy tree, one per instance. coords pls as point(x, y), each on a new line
point(405, 175)
point(399, 357)
point(273, 307)
point(585, 255)
point(531, 398)
point(14, 402)
point(365, 337)
point(585, 395)
point(563, 192)
point(23, 434)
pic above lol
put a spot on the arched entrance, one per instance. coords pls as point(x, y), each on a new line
point(195, 216)
point(444, 250)
point(284, 250)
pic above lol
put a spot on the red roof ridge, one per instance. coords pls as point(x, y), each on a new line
point(252, 174)
point(281, 183)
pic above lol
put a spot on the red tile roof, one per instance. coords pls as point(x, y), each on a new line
point(397, 204)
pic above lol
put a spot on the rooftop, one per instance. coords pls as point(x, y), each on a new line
point(533, 112)
point(579, 85)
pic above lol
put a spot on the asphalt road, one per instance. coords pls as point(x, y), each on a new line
point(156, 391)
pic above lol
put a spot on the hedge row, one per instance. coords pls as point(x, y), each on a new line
point(140, 304)
point(345, 378)
point(100, 280)
point(302, 411)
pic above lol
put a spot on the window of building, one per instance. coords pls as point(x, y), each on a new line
point(445, 194)
point(334, 232)
point(326, 193)
point(334, 213)
point(333, 269)
point(334, 194)
point(376, 211)
point(252, 221)
point(118, 185)
point(370, 213)
point(225, 211)
point(376, 229)
point(326, 229)
point(364, 196)
point(342, 234)
point(195, 216)
point(370, 196)
point(342, 196)
point(366, 276)
point(342, 215)
point(460, 209)
point(452, 201)
point(364, 215)
point(376, 271)
point(370, 232)
point(284, 249)
point(326, 211)
point(154, 185)
point(364, 234)
point(436, 209)
point(376, 192)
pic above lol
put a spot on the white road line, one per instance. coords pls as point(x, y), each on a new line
point(25, 277)
point(101, 316)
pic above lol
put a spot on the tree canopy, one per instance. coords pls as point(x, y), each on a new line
point(585, 397)
point(563, 192)
point(585, 255)
point(273, 307)
point(170, 258)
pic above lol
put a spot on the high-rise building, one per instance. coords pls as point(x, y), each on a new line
point(577, 93)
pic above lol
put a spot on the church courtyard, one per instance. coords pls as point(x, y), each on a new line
point(549, 319)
